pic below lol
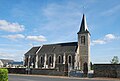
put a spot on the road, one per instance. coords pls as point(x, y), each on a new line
point(51, 78)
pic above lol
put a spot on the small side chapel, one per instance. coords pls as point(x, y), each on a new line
point(55, 56)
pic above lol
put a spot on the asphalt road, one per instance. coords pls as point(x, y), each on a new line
point(50, 78)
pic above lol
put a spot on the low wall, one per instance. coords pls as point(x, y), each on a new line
point(47, 72)
point(107, 70)
point(17, 70)
point(37, 71)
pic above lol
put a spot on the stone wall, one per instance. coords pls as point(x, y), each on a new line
point(36, 71)
point(17, 70)
point(84, 50)
point(107, 70)
point(47, 72)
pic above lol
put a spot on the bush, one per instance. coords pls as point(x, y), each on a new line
point(3, 75)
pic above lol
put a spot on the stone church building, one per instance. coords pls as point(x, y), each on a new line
point(53, 56)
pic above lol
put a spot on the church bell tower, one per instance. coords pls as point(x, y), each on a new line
point(84, 45)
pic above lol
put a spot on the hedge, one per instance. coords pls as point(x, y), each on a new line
point(3, 74)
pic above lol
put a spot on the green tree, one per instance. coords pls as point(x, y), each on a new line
point(115, 60)
point(91, 66)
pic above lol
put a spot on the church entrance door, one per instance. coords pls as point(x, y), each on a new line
point(85, 69)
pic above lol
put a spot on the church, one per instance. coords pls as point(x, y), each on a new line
point(54, 56)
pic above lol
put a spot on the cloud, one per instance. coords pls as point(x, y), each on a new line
point(111, 11)
point(56, 10)
point(60, 15)
point(21, 36)
point(6, 55)
point(36, 38)
point(31, 45)
point(10, 27)
point(14, 37)
point(98, 41)
point(107, 38)
point(110, 37)
point(17, 56)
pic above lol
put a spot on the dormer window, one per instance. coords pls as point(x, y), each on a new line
point(83, 40)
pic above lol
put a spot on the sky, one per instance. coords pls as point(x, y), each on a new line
point(28, 23)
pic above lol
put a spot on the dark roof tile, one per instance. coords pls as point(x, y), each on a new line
point(4, 61)
point(59, 48)
point(32, 51)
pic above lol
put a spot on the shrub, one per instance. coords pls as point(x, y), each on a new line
point(3, 75)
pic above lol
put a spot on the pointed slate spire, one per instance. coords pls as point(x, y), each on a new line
point(83, 27)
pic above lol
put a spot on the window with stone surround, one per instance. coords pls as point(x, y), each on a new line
point(50, 61)
point(60, 59)
point(83, 40)
point(41, 60)
point(70, 59)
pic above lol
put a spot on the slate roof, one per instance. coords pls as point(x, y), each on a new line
point(59, 48)
point(5, 61)
point(83, 27)
point(32, 51)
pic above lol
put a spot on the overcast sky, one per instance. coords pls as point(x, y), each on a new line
point(28, 23)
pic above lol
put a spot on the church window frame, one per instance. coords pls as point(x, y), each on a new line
point(83, 40)
point(50, 60)
point(26, 61)
point(60, 59)
point(41, 60)
point(69, 59)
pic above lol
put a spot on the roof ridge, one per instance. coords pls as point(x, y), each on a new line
point(60, 43)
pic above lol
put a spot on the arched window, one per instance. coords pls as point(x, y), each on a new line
point(50, 60)
point(83, 40)
point(26, 61)
point(85, 68)
point(59, 59)
point(69, 59)
point(41, 60)
point(33, 59)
